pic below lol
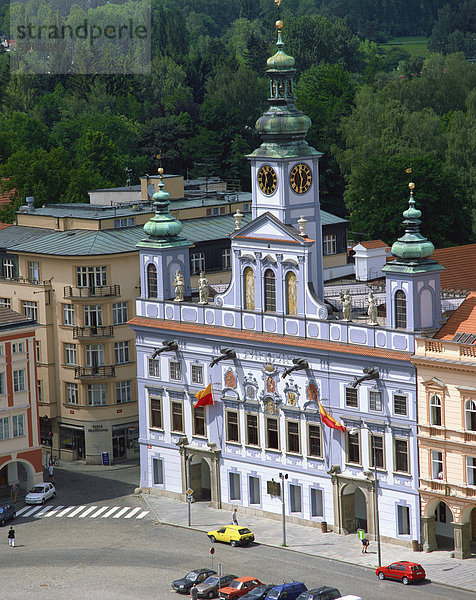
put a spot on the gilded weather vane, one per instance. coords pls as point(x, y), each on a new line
point(278, 2)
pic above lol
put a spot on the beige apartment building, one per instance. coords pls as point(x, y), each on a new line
point(74, 269)
point(446, 368)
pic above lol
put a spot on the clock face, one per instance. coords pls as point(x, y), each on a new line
point(300, 178)
point(267, 179)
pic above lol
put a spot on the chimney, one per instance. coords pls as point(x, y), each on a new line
point(29, 201)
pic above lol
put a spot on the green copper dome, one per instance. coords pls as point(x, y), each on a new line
point(280, 61)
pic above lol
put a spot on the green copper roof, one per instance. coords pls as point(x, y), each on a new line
point(163, 230)
point(412, 250)
point(282, 127)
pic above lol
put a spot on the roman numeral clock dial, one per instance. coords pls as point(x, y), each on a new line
point(267, 179)
point(300, 178)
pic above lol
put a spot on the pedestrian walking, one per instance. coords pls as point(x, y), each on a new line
point(51, 473)
point(234, 517)
point(194, 592)
point(14, 492)
point(11, 537)
point(365, 545)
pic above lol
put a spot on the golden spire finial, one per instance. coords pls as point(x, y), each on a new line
point(411, 185)
point(160, 171)
point(278, 2)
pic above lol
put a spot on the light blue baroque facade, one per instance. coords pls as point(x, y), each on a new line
point(270, 348)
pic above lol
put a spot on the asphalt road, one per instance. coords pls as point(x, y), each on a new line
point(69, 557)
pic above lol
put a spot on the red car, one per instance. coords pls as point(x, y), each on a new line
point(239, 587)
point(406, 572)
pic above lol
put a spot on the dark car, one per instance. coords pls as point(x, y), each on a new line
point(7, 512)
point(288, 591)
point(196, 576)
point(259, 593)
point(405, 571)
point(321, 593)
point(209, 588)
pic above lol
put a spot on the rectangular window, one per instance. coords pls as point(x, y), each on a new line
point(154, 367)
point(97, 395)
point(94, 355)
point(72, 394)
point(38, 351)
point(156, 413)
point(68, 314)
point(175, 371)
point(351, 397)
point(19, 380)
point(272, 434)
point(401, 456)
point(399, 404)
point(294, 445)
point(436, 464)
point(2, 383)
point(18, 348)
point(252, 437)
point(403, 513)
point(8, 268)
point(353, 448)
point(295, 498)
point(376, 451)
point(39, 388)
point(197, 374)
point(197, 262)
point(226, 258)
point(314, 440)
point(177, 417)
point(199, 421)
point(375, 400)
point(329, 243)
point(34, 271)
point(70, 354)
point(158, 471)
point(254, 490)
point(317, 509)
point(18, 425)
point(30, 310)
point(121, 352)
point(93, 315)
point(235, 488)
point(232, 430)
point(123, 392)
point(6, 302)
point(471, 470)
point(120, 313)
point(91, 277)
point(4, 428)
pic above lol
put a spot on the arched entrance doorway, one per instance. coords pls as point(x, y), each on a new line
point(444, 530)
point(19, 472)
point(354, 509)
point(200, 480)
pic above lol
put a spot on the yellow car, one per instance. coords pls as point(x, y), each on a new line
point(236, 535)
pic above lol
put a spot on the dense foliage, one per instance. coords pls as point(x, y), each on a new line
point(375, 110)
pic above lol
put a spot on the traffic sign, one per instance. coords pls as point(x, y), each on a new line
point(212, 550)
point(189, 492)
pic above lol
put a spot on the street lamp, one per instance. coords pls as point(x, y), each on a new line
point(283, 477)
point(377, 524)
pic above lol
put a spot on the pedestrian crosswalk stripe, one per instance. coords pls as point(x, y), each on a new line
point(22, 510)
point(121, 512)
point(109, 512)
point(142, 515)
point(65, 511)
point(99, 512)
point(54, 511)
point(33, 510)
point(76, 512)
point(87, 512)
point(132, 513)
point(42, 512)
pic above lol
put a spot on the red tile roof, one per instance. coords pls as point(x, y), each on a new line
point(4, 225)
point(373, 244)
point(460, 267)
point(6, 196)
point(463, 320)
point(267, 338)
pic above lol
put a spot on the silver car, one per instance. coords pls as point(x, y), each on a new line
point(40, 493)
point(209, 588)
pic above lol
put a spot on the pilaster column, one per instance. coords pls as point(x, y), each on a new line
point(462, 538)
point(429, 534)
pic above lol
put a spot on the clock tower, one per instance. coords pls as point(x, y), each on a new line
point(285, 169)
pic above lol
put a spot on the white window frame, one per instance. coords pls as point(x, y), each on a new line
point(92, 350)
point(72, 393)
point(2, 383)
point(196, 373)
point(70, 354)
point(402, 396)
point(469, 409)
point(97, 394)
point(18, 423)
point(4, 428)
point(436, 408)
point(120, 313)
point(91, 277)
point(471, 470)
point(123, 392)
point(18, 348)
point(93, 315)
point(121, 353)
point(329, 243)
point(175, 369)
point(197, 262)
point(351, 389)
point(407, 442)
point(157, 471)
point(19, 380)
point(228, 412)
point(30, 309)
point(34, 271)
point(8, 268)
point(375, 397)
point(68, 315)
point(226, 259)
point(154, 367)
point(6, 302)
point(437, 464)
point(234, 486)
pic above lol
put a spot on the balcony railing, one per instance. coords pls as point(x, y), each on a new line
point(101, 331)
point(94, 372)
point(92, 292)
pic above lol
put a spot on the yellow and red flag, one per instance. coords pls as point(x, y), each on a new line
point(328, 420)
point(204, 397)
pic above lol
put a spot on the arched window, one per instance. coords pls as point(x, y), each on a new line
point(291, 293)
point(249, 288)
point(470, 415)
point(400, 310)
point(151, 281)
point(269, 291)
point(435, 410)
